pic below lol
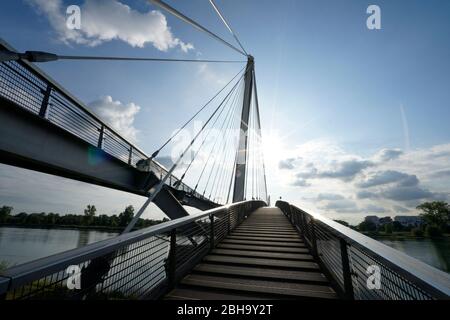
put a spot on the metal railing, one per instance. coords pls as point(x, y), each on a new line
point(143, 264)
point(350, 258)
point(28, 87)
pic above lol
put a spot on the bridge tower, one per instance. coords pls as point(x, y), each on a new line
point(241, 156)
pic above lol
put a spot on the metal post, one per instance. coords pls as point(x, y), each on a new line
point(303, 224)
point(313, 238)
point(44, 105)
point(100, 138)
point(211, 232)
point(172, 258)
point(241, 157)
point(130, 156)
point(346, 271)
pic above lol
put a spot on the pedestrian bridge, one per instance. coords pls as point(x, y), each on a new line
point(235, 248)
point(241, 251)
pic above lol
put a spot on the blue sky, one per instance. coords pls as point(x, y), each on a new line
point(353, 114)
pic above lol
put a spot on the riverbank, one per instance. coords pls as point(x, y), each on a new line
point(64, 227)
point(402, 235)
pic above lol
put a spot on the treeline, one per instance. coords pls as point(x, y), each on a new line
point(435, 216)
point(90, 219)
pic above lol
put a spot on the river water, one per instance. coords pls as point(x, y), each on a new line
point(19, 245)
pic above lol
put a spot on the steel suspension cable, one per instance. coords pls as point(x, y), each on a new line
point(206, 163)
point(160, 185)
point(42, 56)
point(227, 24)
point(206, 137)
point(196, 25)
point(259, 130)
point(212, 169)
point(217, 187)
point(195, 115)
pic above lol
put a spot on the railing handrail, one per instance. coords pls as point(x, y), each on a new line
point(21, 274)
point(54, 84)
point(425, 273)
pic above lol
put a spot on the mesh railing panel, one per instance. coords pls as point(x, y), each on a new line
point(137, 269)
point(395, 282)
point(26, 87)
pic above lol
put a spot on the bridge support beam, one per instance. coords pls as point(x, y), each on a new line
point(241, 157)
point(31, 142)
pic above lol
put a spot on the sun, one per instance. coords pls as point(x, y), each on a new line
point(274, 148)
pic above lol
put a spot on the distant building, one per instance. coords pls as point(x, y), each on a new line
point(385, 220)
point(372, 219)
point(409, 221)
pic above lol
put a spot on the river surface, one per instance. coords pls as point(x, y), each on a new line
point(19, 245)
point(432, 252)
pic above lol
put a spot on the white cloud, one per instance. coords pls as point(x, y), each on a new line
point(389, 176)
point(341, 206)
point(103, 21)
point(329, 196)
point(120, 116)
point(288, 164)
point(209, 75)
point(372, 209)
point(338, 183)
point(346, 170)
point(388, 154)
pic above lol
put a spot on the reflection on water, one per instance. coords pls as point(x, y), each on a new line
point(432, 252)
point(19, 245)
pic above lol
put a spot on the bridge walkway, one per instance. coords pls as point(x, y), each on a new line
point(263, 258)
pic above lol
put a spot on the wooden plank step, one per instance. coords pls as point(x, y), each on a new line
point(202, 294)
point(268, 224)
point(261, 286)
point(298, 240)
point(260, 254)
point(262, 262)
point(287, 232)
point(286, 275)
point(270, 235)
point(262, 248)
point(264, 243)
point(260, 220)
point(279, 231)
point(277, 227)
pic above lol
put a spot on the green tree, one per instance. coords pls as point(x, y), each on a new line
point(433, 231)
point(388, 228)
point(89, 214)
point(417, 232)
point(367, 226)
point(5, 213)
point(436, 213)
point(126, 216)
point(397, 226)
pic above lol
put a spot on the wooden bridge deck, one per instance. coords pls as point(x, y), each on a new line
point(263, 258)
